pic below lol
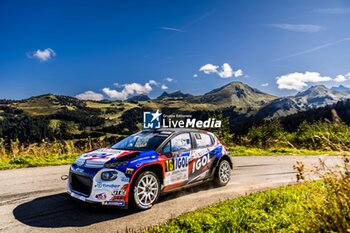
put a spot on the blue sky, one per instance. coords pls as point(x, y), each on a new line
point(71, 47)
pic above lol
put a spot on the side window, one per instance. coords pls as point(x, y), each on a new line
point(203, 140)
point(166, 148)
point(181, 142)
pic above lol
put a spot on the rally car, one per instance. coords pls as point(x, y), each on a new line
point(139, 168)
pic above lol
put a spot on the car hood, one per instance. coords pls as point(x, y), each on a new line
point(98, 158)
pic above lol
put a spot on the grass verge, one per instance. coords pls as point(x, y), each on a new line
point(252, 151)
point(285, 209)
point(35, 161)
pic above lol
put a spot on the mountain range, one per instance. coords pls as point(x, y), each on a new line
point(237, 95)
point(82, 118)
point(245, 98)
point(314, 97)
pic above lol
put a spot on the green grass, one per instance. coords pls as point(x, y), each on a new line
point(250, 151)
point(285, 209)
point(35, 161)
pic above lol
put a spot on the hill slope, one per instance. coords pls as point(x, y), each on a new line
point(235, 94)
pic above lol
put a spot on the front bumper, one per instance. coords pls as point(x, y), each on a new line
point(88, 187)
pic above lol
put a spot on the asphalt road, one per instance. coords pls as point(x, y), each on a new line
point(34, 199)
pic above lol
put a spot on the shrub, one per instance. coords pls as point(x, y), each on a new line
point(266, 134)
point(323, 136)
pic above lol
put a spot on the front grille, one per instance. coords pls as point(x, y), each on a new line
point(81, 183)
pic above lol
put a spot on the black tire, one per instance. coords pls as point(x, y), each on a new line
point(136, 191)
point(223, 173)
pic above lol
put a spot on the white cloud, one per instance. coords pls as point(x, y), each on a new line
point(209, 69)
point(340, 78)
point(90, 95)
point(333, 11)
point(169, 79)
point(298, 27)
point(43, 55)
point(224, 72)
point(195, 75)
point(297, 81)
point(164, 87)
point(264, 84)
point(120, 95)
point(130, 89)
point(152, 82)
point(238, 73)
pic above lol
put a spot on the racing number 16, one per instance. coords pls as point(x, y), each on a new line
point(169, 165)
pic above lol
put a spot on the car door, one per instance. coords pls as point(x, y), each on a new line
point(201, 158)
point(176, 167)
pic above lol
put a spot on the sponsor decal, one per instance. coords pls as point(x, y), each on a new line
point(129, 171)
point(101, 185)
point(101, 196)
point(98, 185)
point(153, 120)
point(176, 170)
point(200, 163)
point(176, 163)
point(114, 202)
point(125, 179)
point(120, 192)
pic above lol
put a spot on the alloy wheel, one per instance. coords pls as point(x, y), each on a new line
point(146, 190)
point(224, 171)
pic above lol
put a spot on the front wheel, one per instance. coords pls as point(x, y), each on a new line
point(223, 173)
point(145, 190)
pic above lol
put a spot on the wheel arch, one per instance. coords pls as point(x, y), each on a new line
point(228, 158)
point(218, 160)
point(156, 168)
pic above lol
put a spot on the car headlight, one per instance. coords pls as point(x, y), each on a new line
point(116, 164)
point(110, 175)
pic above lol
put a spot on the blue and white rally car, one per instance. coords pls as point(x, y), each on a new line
point(140, 167)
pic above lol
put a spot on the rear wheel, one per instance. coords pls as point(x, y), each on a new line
point(145, 190)
point(223, 173)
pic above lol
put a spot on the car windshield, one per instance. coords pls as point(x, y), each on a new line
point(144, 140)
